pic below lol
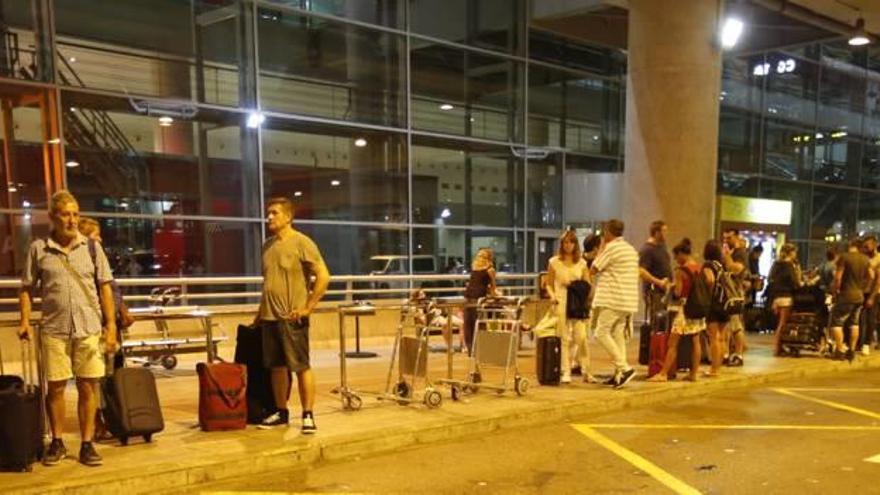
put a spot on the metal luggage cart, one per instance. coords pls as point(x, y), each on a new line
point(351, 398)
point(496, 342)
point(410, 357)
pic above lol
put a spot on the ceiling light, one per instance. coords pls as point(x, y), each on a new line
point(255, 119)
point(72, 60)
point(360, 142)
point(297, 194)
point(731, 32)
point(54, 141)
point(446, 106)
point(71, 164)
point(860, 36)
point(25, 204)
point(445, 213)
point(12, 188)
point(165, 121)
point(335, 182)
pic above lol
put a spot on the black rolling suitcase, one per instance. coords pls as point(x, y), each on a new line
point(21, 419)
point(548, 354)
point(249, 352)
point(131, 404)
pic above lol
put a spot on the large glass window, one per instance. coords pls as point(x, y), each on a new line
point(358, 250)
point(125, 156)
point(389, 13)
point(23, 54)
point(800, 196)
point(558, 50)
point(315, 66)
point(195, 50)
point(544, 183)
point(492, 24)
point(834, 213)
point(466, 93)
point(336, 173)
point(455, 249)
point(788, 151)
point(463, 183)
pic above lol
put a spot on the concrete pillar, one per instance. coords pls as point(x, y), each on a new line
point(672, 115)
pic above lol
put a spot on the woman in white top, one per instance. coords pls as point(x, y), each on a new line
point(563, 269)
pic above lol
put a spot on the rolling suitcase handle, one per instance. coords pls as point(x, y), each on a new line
point(27, 366)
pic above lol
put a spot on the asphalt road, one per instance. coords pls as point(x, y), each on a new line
point(805, 436)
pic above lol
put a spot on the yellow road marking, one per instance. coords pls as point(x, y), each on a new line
point(670, 481)
point(842, 390)
point(829, 403)
point(875, 459)
point(624, 426)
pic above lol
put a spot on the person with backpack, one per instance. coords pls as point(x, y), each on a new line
point(736, 263)
point(689, 306)
point(719, 314)
point(568, 285)
point(76, 298)
point(785, 278)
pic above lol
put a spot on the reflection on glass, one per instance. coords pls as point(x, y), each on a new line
point(833, 214)
point(186, 50)
point(182, 161)
point(314, 66)
point(17, 231)
point(788, 151)
point(24, 56)
point(455, 249)
point(360, 250)
point(336, 173)
point(389, 13)
point(548, 47)
point(738, 137)
point(492, 24)
point(800, 197)
point(544, 179)
point(458, 183)
point(466, 93)
point(838, 158)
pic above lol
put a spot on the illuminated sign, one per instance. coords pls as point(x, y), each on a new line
point(786, 66)
point(753, 210)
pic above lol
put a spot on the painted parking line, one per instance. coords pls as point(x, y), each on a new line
point(648, 467)
point(636, 426)
point(836, 405)
point(831, 389)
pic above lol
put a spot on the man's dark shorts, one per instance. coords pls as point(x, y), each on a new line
point(286, 343)
point(845, 315)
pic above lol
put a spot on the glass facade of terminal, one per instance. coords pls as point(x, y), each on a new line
point(803, 125)
point(398, 127)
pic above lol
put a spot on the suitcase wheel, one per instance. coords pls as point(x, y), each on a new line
point(148, 437)
point(455, 392)
point(352, 402)
point(433, 399)
point(521, 385)
point(169, 362)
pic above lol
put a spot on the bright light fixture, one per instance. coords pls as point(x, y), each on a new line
point(25, 204)
point(255, 119)
point(335, 182)
point(71, 164)
point(12, 188)
point(731, 31)
point(445, 213)
point(446, 106)
point(360, 142)
point(297, 194)
point(860, 36)
point(165, 121)
point(54, 141)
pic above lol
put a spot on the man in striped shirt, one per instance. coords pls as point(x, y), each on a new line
point(616, 298)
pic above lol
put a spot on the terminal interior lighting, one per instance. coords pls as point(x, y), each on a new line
point(72, 164)
point(165, 121)
point(255, 119)
point(860, 36)
point(360, 142)
point(446, 106)
point(731, 32)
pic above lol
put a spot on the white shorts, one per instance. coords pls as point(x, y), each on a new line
point(68, 358)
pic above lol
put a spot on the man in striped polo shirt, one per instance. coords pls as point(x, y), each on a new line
point(616, 298)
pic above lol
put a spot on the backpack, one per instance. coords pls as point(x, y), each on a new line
point(728, 296)
point(699, 300)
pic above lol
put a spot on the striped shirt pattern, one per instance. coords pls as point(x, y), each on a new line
point(617, 284)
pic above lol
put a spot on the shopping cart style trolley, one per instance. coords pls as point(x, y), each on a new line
point(496, 342)
point(409, 358)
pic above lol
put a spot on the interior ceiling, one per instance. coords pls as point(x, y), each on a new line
point(605, 23)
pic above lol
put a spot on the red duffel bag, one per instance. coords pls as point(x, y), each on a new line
point(222, 396)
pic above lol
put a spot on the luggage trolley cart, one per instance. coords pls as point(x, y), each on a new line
point(496, 342)
point(410, 355)
point(351, 399)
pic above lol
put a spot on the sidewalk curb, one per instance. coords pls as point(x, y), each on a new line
point(176, 478)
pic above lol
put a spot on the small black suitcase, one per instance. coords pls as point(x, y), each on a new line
point(131, 404)
point(249, 352)
point(21, 419)
point(548, 354)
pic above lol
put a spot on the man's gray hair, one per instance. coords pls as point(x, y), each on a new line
point(61, 198)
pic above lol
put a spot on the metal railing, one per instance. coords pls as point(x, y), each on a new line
point(342, 287)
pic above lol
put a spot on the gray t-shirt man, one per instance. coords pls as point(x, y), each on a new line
point(288, 264)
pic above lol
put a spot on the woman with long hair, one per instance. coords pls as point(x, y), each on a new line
point(563, 269)
point(480, 284)
point(785, 278)
point(717, 318)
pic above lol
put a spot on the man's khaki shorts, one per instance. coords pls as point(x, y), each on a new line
point(68, 358)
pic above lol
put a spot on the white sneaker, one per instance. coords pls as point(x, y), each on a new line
point(566, 378)
point(866, 350)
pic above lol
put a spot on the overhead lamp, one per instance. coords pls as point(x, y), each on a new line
point(297, 194)
point(25, 204)
point(360, 142)
point(255, 119)
point(12, 188)
point(731, 32)
point(54, 141)
point(71, 164)
point(72, 60)
point(446, 213)
point(335, 182)
point(446, 106)
point(860, 36)
point(165, 121)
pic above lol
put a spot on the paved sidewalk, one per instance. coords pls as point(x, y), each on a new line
point(183, 457)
